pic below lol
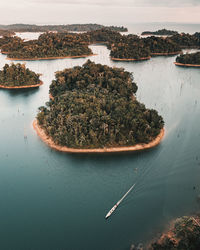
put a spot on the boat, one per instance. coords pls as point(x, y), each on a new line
point(117, 204)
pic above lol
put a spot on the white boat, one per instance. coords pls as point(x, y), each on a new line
point(117, 204)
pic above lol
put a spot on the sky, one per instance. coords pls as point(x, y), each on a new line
point(98, 11)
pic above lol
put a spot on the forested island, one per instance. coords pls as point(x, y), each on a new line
point(94, 109)
point(16, 76)
point(59, 28)
point(184, 235)
point(48, 46)
point(188, 60)
point(161, 32)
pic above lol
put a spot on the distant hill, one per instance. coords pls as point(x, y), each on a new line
point(162, 32)
point(59, 28)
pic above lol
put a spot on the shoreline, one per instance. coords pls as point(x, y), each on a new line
point(131, 59)
point(21, 87)
point(187, 65)
point(166, 53)
point(40, 132)
point(48, 58)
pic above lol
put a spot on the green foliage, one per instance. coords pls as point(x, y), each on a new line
point(161, 45)
point(94, 107)
point(162, 32)
point(185, 235)
point(186, 40)
point(49, 45)
point(18, 75)
point(92, 75)
point(193, 58)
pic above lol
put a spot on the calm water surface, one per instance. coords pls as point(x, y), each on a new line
point(51, 200)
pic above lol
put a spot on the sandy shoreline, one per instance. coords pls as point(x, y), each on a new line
point(166, 54)
point(130, 59)
point(137, 147)
point(48, 58)
point(21, 87)
point(186, 65)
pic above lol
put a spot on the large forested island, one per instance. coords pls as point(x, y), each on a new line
point(16, 76)
point(93, 109)
point(188, 60)
point(49, 46)
point(162, 32)
point(184, 235)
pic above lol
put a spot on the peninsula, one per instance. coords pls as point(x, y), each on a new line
point(94, 110)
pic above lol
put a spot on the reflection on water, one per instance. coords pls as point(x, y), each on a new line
point(52, 200)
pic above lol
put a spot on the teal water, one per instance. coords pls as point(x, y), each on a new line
point(51, 200)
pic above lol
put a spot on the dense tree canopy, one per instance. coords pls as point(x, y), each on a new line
point(92, 75)
point(94, 107)
point(185, 235)
point(193, 58)
point(49, 45)
point(186, 40)
point(161, 45)
point(18, 75)
point(162, 32)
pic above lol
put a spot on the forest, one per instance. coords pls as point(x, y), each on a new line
point(94, 106)
point(48, 45)
point(59, 28)
point(64, 44)
point(193, 58)
point(18, 75)
point(161, 45)
point(185, 234)
point(186, 40)
point(161, 32)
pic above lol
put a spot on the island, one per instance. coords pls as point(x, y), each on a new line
point(161, 32)
point(17, 76)
point(188, 60)
point(49, 46)
point(94, 110)
point(184, 234)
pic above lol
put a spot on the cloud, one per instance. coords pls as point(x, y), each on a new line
point(125, 3)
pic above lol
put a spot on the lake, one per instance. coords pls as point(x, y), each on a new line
point(53, 200)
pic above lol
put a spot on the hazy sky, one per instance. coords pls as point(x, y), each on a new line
point(98, 11)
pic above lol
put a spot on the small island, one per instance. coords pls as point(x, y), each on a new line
point(94, 110)
point(188, 60)
point(17, 76)
point(161, 32)
point(184, 234)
